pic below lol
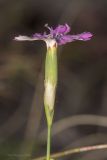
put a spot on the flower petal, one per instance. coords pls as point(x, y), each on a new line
point(25, 38)
point(40, 36)
point(83, 36)
point(86, 36)
point(65, 39)
point(62, 29)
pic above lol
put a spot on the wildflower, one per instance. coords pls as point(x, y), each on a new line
point(58, 35)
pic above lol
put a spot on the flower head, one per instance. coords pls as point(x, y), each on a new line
point(58, 35)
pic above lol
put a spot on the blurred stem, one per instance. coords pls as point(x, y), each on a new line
point(75, 150)
point(48, 142)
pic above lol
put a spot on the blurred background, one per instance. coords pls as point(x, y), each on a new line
point(81, 101)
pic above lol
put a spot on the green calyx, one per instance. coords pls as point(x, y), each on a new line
point(51, 65)
point(50, 82)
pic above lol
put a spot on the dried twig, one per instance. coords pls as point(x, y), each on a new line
point(75, 150)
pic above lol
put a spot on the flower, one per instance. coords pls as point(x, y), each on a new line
point(58, 35)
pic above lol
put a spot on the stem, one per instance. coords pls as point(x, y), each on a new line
point(48, 142)
point(75, 150)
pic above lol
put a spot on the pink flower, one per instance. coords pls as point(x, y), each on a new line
point(59, 35)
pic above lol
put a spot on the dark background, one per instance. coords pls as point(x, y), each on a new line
point(82, 79)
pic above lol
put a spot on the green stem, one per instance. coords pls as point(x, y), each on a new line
point(48, 142)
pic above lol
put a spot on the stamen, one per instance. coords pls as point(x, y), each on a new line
point(46, 25)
